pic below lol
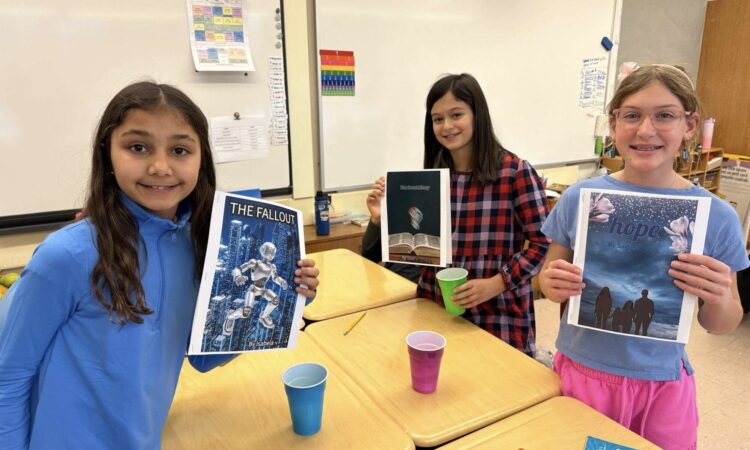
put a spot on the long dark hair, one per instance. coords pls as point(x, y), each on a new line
point(117, 273)
point(488, 153)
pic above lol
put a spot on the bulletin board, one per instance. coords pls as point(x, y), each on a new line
point(541, 64)
point(66, 59)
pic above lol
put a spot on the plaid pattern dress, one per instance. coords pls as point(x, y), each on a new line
point(490, 226)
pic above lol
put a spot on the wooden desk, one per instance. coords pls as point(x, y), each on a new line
point(482, 379)
point(243, 405)
point(561, 422)
point(351, 283)
point(342, 236)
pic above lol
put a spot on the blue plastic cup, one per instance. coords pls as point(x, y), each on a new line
point(305, 384)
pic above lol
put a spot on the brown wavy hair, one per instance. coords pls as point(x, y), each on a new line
point(115, 279)
point(488, 153)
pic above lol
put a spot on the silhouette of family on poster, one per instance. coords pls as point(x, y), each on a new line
point(625, 244)
point(631, 318)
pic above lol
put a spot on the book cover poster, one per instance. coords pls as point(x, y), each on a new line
point(247, 299)
point(626, 242)
point(415, 217)
point(593, 443)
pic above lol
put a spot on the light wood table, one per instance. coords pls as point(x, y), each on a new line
point(350, 283)
point(242, 405)
point(561, 422)
point(482, 379)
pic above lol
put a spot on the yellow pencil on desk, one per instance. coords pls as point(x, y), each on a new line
point(354, 324)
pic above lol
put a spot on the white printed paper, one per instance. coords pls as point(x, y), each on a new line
point(238, 139)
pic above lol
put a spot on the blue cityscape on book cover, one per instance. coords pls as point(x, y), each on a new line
point(625, 245)
point(247, 299)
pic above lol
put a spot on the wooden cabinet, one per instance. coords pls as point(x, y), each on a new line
point(341, 236)
point(723, 81)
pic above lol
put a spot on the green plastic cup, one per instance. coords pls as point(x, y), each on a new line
point(449, 279)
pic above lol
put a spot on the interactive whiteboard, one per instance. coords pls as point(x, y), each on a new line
point(64, 60)
point(541, 64)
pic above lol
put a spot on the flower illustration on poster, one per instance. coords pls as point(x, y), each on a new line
point(601, 208)
point(678, 233)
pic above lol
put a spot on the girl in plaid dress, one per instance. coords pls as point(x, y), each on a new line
point(498, 205)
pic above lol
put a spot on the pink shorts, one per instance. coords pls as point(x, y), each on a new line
point(664, 412)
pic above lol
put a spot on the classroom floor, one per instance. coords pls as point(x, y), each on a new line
point(722, 367)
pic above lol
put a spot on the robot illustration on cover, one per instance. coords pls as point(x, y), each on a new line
point(260, 272)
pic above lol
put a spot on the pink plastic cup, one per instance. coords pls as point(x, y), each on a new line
point(425, 353)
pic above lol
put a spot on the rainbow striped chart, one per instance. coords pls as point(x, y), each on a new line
point(337, 72)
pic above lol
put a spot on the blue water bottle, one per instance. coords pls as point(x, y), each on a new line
point(322, 224)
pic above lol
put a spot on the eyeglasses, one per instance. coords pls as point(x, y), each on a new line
point(662, 119)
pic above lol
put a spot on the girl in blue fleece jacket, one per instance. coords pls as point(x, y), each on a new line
point(99, 321)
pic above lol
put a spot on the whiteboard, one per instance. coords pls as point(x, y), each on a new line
point(533, 59)
point(65, 60)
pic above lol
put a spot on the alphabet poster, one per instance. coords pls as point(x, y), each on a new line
point(626, 242)
point(217, 35)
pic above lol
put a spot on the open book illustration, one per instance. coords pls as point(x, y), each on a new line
point(247, 299)
point(415, 219)
point(625, 244)
point(420, 244)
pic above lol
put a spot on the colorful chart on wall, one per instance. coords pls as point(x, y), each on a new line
point(337, 72)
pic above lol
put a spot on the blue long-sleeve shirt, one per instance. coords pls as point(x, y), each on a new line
point(72, 378)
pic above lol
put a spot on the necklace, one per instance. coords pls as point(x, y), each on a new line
point(673, 185)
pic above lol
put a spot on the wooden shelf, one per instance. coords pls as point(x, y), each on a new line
point(694, 169)
point(341, 236)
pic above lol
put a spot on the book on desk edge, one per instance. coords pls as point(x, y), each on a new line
point(593, 443)
point(625, 243)
point(247, 299)
point(415, 217)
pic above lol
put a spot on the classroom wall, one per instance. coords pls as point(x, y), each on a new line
point(16, 247)
point(668, 30)
point(54, 69)
point(301, 54)
point(664, 32)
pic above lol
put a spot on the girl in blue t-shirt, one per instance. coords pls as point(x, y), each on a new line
point(646, 384)
point(99, 321)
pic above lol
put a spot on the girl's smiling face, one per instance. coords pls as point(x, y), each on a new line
point(646, 137)
point(453, 124)
point(156, 158)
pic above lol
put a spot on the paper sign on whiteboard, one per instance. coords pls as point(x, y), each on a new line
point(238, 139)
point(217, 35)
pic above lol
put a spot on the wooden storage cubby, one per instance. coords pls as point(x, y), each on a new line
point(695, 169)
